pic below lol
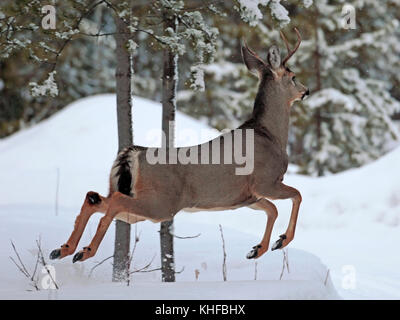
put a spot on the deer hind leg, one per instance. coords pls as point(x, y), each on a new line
point(272, 214)
point(282, 191)
point(93, 203)
point(119, 203)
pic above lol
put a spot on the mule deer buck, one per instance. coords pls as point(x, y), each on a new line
point(141, 191)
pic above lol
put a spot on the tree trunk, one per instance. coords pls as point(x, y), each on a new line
point(318, 112)
point(169, 85)
point(318, 87)
point(123, 74)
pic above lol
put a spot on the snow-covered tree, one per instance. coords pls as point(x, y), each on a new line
point(231, 90)
point(346, 122)
point(228, 97)
point(29, 54)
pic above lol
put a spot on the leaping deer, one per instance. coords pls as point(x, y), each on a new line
point(143, 191)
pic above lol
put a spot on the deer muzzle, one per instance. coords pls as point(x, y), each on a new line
point(305, 94)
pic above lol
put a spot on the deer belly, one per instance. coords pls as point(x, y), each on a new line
point(197, 209)
point(128, 217)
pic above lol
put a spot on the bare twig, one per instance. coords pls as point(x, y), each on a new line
point(137, 238)
point(105, 34)
point(143, 268)
point(57, 188)
point(224, 251)
point(187, 237)
point(58, 52)
point(25, 271)
point(286, 254)
point(327, 277)
point(178, 272)
point(283, 269)
point(34, 270)
point(145, 271)
point(129, 262)
point(98, 264)
point(21, 267)
point(285, 263)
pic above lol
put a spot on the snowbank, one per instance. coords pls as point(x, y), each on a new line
point(337, 219)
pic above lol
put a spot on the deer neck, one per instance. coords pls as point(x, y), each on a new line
point(271, 112)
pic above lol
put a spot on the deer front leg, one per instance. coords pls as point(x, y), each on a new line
point(282, 191)
point(93, 203)
point(272, 214)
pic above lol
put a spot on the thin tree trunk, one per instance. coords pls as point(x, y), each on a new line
point(318, 112)
point(318, 87)
point(123, 76)
point(170, 79)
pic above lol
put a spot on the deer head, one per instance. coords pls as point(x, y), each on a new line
point(275, 77)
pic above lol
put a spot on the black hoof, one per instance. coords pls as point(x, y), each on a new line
point(279, 243)
point(253, 253)
point(55, 254)
point(78, 256)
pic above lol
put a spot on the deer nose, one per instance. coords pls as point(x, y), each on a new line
point(305, 94)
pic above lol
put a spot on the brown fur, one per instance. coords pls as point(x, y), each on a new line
point(160, 191)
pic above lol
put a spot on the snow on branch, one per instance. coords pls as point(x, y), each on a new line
point(279, 12)
point(251, 13)
point(49, 87)
point(307, 3)
point(249, 10)
point(331, 95)
point(197, 78)
point(172, 41)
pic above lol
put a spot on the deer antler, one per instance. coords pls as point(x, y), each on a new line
point(290, 52)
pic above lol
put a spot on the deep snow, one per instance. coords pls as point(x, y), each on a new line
point(349, 220)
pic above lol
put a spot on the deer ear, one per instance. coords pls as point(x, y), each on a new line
point(274, 57)
point(251, 60)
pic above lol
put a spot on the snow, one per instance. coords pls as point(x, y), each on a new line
point(49, 87)
point(207, 290)
point(197, 78)
point(251, 12)
point(325, 95)
point(307, 3)
point(279, 12)
point(348, 222)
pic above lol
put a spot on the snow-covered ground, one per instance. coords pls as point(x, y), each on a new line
point(348, 223)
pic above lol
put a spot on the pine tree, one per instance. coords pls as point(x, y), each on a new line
point(84, 66)
point(346, 121)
